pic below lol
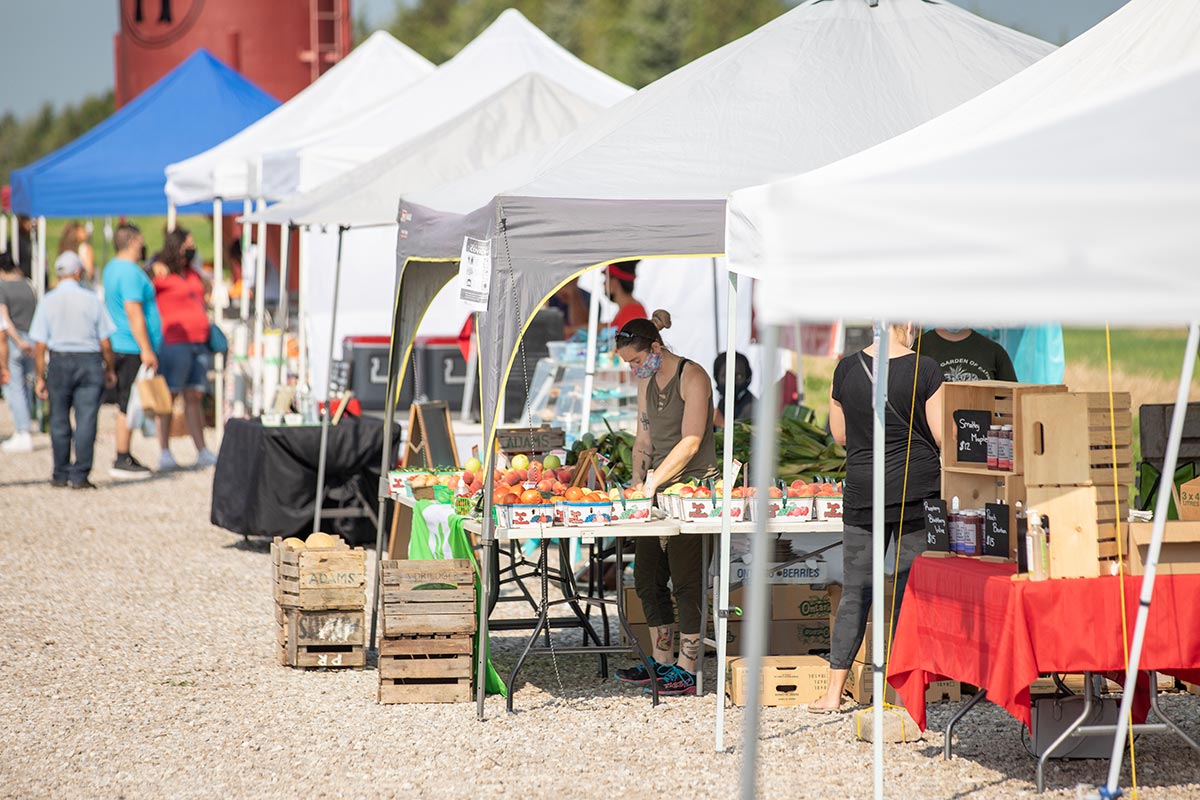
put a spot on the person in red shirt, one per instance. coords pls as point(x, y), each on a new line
point(621, 276)
point(185, 357)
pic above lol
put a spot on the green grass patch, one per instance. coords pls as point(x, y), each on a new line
point(1152, 352)
point(153, 229)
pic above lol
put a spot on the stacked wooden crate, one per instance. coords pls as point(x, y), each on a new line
point(320, 601)
point(429, 616)
point(974, 484)
point(1078, 476)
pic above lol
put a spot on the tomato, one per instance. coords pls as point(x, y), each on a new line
point(531, 497)
point(511, 499)
point(574, 494)
point(499, 495)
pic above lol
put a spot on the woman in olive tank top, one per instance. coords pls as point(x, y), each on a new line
point(674, 443)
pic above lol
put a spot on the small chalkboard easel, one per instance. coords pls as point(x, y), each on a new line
point(430, 436)
point(586, 468)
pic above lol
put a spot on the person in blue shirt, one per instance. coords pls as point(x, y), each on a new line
point(129, 297)
point(72, 325)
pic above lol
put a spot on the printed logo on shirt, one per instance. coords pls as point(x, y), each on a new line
point(963, 370)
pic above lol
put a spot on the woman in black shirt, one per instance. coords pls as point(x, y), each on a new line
point(851, 421)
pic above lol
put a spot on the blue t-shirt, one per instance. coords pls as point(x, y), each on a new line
point(125, 281)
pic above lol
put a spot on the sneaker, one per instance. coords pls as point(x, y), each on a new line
point(637, 674)
point(206, 458)
point(675, 681)
point(166, 462)
point(128, 468)
point(59, 483)
point(83, 484)
point(18, 443)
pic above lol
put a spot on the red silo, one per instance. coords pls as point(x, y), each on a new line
point(281, 45)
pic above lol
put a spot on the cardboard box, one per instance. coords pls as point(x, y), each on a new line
point(786, 680)
point(785, 637)
point(1180, 553)
point(799, 601)
point(860, 683)
point(817, 573)
point(1189, 501)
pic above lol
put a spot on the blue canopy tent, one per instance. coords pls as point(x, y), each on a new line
point(119, 166)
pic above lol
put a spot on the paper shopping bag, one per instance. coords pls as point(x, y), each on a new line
point(155, 396)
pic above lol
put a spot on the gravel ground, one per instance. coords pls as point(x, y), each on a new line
point(140, 665)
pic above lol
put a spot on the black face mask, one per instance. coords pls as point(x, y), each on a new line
point(142, 257)
point(190, 255)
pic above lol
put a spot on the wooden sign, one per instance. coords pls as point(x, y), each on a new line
point(971, 432)
point(996, 523)
point(936, 531)
point(1189, 501)
point(430, 436)
point(530, 442)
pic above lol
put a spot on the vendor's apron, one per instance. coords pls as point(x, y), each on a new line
point(664, 409)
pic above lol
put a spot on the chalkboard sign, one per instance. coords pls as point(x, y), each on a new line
point(971, 431)
point(339, 378)
point(996, 524)
point(937, 537)
point(430, 436)
point(529, 442)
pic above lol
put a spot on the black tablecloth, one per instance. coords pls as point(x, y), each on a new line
point(265, 482)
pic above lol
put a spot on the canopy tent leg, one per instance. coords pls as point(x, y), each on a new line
point(285, 242)
point(16, 238)
point(878, 455)
point(717, 310)
point(589, 378)
point(764, 457)
point(244, 298)
point(302, 383)
point(108, 236)
point(41, 257)
point(172, 216)
point(260, 310)
point(337, 285)
point(486, 552)
point(721, 621)
point(4, 232)
point(1161, 506)
point(220, 300)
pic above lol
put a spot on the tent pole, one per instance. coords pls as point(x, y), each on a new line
point(41, 257)
point(285, 242)
point(877, 541)
point(4, 233)
point(589, 378)
point(487, 548)
point(717, 311)
point(171, 215)
point(337, 285)
point(1161, 507)
point(108, 235)
point(302, 312)
point(764, 457)
point(721, 617)
point(16, 238)
point(244, 299)
point(395, 366)
point(220, 300)
point(260, 310)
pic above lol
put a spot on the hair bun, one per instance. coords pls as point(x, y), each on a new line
point(661, 319)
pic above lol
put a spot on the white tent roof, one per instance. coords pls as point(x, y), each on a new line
point(531, 111)
point(377, 68)
point(1069, 193)
point(509, 48)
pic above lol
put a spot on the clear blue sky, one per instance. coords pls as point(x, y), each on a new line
point(60, 51)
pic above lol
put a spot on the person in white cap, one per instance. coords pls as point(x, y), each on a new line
point(72, 325)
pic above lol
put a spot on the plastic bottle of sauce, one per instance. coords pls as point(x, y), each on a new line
point(993, 447)
point(1004, 449)
point(954, 527)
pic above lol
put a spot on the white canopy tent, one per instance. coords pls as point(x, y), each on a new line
point(825, 80)
point(1078, 176)
point(510, 47)
point(379, 67)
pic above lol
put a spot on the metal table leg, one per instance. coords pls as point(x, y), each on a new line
point(947, 751)
point(1158, 712)
point(705, 593)
point(1089, 691)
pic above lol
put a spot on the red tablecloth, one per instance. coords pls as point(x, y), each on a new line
point(967, 620)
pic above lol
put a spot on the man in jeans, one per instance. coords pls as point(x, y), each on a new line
point(129, 296)
point(73, 326)
point(17, 302)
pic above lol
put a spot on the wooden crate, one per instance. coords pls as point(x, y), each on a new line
point(1068, 439)
point(428, 597)
point(1083, 524)
point(329, 639)
point(1002, 400)
point(976, 489)
point(425, 669)
point(319, 578)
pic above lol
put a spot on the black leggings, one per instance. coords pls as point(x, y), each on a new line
point(681, 564)
point(851, 621)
